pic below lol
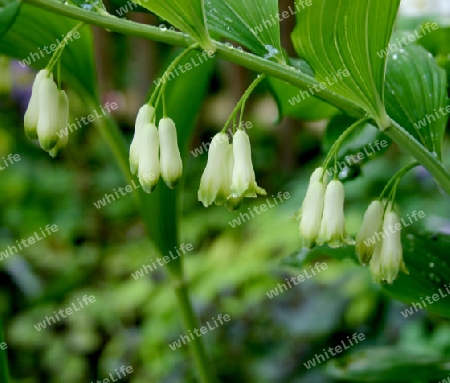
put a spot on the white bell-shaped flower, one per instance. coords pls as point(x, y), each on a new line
point(332, 228)
point(32, 113)
point(170, 157)
point(216, 180)
point(391, 256)
point(144, 116)
point(244, 180)
point(63, 119)
point(47, 126)
point(149, 169)
point(312, 208)
point(365, 239)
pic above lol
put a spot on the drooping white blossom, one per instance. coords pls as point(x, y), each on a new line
point(144, 116)
point(32, 113)
point(332, 228)
point(365, 239)
point(47, 124)
point(243, 180)
point(391, 256)
point(216, 179)
point(148, 163)
point(312, 209)
point(170, 157)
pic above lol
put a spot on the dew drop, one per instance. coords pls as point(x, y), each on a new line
point(229, 45)
point(431, 264)
point(163, 27)
point(395, 56)
point(271, 51)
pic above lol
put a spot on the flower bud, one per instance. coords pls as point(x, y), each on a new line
point(365, 240)
point(32, 113)
point(148, 170)
point(216, 180)
point(391, 258)
point(243, 181)
point(312, 208)
point(63, 119)
point(144, 116)
point(170, 157)
point(332, 229)
point(47, 125)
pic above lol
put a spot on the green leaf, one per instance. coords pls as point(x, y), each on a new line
point(296, 103)
point(416, 95)
point(187, 15)
point(389, 364)
point(29, 37)
point(340, 39)
point(426, 259)
point(8, 15)
point(251, 23)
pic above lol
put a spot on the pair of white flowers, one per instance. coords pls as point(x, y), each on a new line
point(322, 215)
point(385, 254)
point(47, 113)
point(154, 151)
point(229, 174)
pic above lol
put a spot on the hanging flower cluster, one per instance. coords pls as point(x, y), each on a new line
point(229, 176)
point(380, 246)
point(322, 215)
point(47, 113)
point(154, 151)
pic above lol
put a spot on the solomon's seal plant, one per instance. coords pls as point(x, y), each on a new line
point(388, 95)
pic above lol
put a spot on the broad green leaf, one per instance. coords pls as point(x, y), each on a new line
point(29, 38)
point(8, 15)
point(297, 103)
point(426, 259)
point(187, 15)
point(254, 24)
point(389, 364)
point(343, 42)
point(416, 95)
